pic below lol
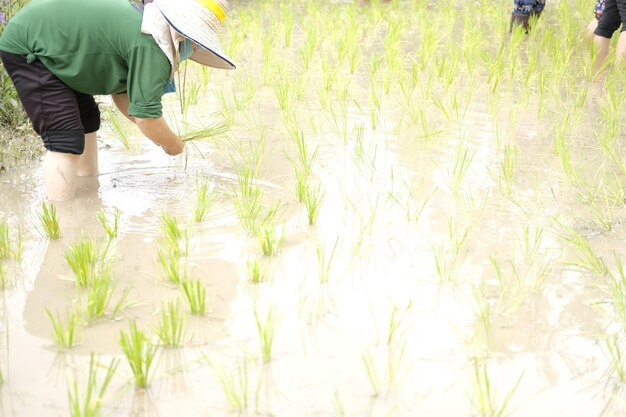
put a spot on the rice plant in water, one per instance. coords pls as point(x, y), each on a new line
point(111, 228)
point(195, 294)
point(248, 200)
point(484, 399)
point(267, 234)
point(66, 334)
point(172, 269)
point(174, 239)
point(100, 296)
point(313, 198)
point(614, 346)
point(234, 384)
point(324, 262)
point(139, 352)
point(204, 199)
point(82, 257)
point(585, 256)
point(120, 129)
point(85, 399)
point(266, 328)
point(48, 222)
point(5, 241)
point(255, 271)
point(171, 326)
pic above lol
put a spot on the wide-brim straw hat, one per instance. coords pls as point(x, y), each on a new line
point(200, 21)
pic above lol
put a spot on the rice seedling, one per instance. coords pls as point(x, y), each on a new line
point(614, 346)
point(83, 257)
point(248, 201)
point(48, 222)
point(266, 329)
point(484, 400)
point(462, 160)
point(171, 268)
point(256, 273)
point(282, 89)
point(139, 352)
point(507, 168)
point(100, 294)
point(313, 198)
point(288, 23)
point(372, 374)
point(266, 232)
point(66, 334)
point(618, 289)
point(4, 282)
point(244, 97)
point(120, 129)
point(171, 326)
point(110, 228)
point(204, 200)
point(89, 402)
point(324, 262)
point(5, 241)
point(195, 294)
point(18, 248)
point(172, 235)
point(585, 256)
point(234, 384)
point(309, 46)
point(211, 132)
point(397, 325)
point(482, 310)
point(531, 242)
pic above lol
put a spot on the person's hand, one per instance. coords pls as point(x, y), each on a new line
point(176, 149)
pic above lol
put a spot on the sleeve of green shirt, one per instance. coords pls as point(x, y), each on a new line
point(148, 72)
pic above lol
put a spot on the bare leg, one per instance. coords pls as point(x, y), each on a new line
point(88, 161)
point(591, 27)
point(602, 44)
point(59, 171)
point(620, 49)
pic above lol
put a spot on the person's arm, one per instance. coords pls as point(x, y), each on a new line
point(156, 130)
point(160, 133)
point(121, 102)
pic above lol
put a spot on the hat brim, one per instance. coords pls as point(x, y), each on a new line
point(212, 54)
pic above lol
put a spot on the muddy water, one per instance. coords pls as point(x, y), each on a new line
point(391, 218)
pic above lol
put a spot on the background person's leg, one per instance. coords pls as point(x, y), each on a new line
point(620, 49)
point(607, 25)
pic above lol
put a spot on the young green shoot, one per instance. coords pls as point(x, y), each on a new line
point(111, 227)
point(204, 200)
point(66, 334)
point(195, 294)
point(88, 402)
point(48, 222)
point(139, 352)
point(234, 384)
point(256, 273)
point(266, 328)
point(83, 257)
point(171, 326)
point(313, 198)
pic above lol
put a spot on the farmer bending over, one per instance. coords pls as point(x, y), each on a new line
point(59, 53)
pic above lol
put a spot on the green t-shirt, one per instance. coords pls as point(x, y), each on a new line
point(93, 46)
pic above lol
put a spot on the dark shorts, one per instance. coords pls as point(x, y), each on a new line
point(612, 16)
point(60, 115)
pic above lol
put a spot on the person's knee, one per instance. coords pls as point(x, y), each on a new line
point(69, 142)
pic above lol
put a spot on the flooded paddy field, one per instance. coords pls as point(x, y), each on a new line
point(402, 211)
